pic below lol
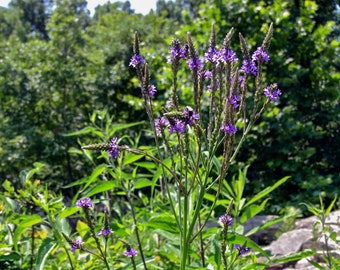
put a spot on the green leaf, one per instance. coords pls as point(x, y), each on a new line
point(38, 167)
point(88, 180)
point(257, 266)
point(7, 185)
point(62, 226)
point(116, 127)
point(100, 187)
point(315, 264)
point(68, 212)
point(252, 210)
point(330, 207)
point(146, 165)
point(94, 176)
point(333, 236)
point(295, 256)
point(267, 190)
point(14, 256)
point(240, 239)
point(26, 223)
point(264, 226)
point(44, 250)
point(164, 222)
point(240, 183)
point(209, 197)
point(130, 158)
point(86, 130)
point(143, 182)
point(229, 189)
point(10, 203)
point(217, 252)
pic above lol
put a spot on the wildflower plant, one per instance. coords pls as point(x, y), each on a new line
point(190, 136)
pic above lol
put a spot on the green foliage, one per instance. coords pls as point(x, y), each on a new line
point(323, 231)
point(51, 87)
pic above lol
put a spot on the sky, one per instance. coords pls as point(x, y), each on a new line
point(140, 6)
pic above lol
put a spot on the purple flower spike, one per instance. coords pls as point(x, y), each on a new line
point(249, 67)
point(169, 103)
point(229, 128)
point(260, 55)
point(241, 250)
point(195, 63)
point(204, 74)
point(228, 55)
point(190, 115)
point(76, 245)
point(84, 203)
point(235, 101)
point(114, 152)
point(130, 252)
point(160, 124)
point(241, 80)
point(136, 60)
point(212, 55)
point(272, 92)
point(105, 231)
point(226, 220)
point(177, 125)
point(177, 51)
point(152, 90)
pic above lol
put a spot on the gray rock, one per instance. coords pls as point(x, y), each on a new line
point(307, 234)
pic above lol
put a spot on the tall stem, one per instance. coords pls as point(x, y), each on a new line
point(136, 230)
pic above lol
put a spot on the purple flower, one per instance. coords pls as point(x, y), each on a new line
point(152, 90)
point(226, 220)
point(204, 74)
point(229, 128)
point(190, 115)
point(177, 125)
point(260, 55)
point(227, 55)
point(195, 63)
point(241, 250)
point(136, 60)
point(249, 67)
point(272, 92)
point(160, 123)
point(234, 100)
point(241, 80)
point(130, 252)
point(105, 231)
point(76, 245)
point(114, 152)
point(169, 103)
point(212, 55)
point(177, 51)
point(84, 203)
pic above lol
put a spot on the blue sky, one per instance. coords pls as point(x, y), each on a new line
point(140, 6)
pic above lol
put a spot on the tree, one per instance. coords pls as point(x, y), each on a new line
point(34, 14)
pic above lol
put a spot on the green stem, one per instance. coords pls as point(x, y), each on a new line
point(137, 232)
point(89, 223)
point(69, 257)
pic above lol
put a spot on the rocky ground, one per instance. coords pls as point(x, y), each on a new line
point(305, 234)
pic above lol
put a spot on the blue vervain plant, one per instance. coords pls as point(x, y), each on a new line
point(227, 98)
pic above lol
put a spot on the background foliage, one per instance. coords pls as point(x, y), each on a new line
point(60, 68)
